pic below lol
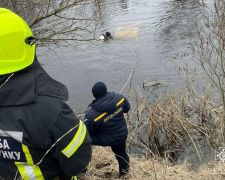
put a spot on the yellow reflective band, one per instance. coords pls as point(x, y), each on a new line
point(76, 141)
point(99, 117)
point(28, 170)
point(38, 173)
point(88, 164)
point(28, 155)
point(103, 114)
point(120, 102)
point(74, 178)
point(22, 170)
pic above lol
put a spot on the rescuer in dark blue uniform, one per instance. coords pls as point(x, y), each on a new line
point(106, 124)
point(40, 137)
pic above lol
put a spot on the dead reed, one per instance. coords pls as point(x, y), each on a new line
point(173, 124)
point(104, 166)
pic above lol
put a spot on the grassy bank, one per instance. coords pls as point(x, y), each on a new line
point(105, 166)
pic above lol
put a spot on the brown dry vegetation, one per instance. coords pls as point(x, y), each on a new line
point(166, 125)
point(161, 129)
point(105, 166)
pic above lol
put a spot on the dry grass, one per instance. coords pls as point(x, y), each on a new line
point(166, 125)
point(104, 166)
point(161, 129)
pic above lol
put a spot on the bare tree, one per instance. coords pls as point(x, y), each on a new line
point(209, 50)
point(57, 21)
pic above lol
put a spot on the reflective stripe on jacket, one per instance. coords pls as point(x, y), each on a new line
point(105, 119)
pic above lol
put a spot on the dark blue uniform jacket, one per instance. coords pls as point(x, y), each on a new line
point(105, 121)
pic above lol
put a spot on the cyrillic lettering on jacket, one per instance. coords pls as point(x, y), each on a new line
point(11, 147)
point(113, 114)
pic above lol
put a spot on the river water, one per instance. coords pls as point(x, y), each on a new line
point(154, 34)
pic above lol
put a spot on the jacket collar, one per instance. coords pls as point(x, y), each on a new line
point(106, 103)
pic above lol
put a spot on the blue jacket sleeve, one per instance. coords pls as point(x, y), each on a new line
point(126, 105)
point(89, 122)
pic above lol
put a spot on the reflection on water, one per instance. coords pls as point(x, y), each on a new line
point(160, 29)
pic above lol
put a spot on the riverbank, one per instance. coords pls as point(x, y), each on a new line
point(104, 166)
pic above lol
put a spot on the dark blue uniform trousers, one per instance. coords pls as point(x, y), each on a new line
point(119, 151)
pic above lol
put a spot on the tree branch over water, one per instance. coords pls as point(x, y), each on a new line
point(54, 22)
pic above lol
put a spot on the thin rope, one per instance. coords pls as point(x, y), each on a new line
point(132, 73)
point(58, 141)
point(37, 164)
point(6, 80)
point(129, 78)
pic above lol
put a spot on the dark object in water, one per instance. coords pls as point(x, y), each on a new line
point(106, 37)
